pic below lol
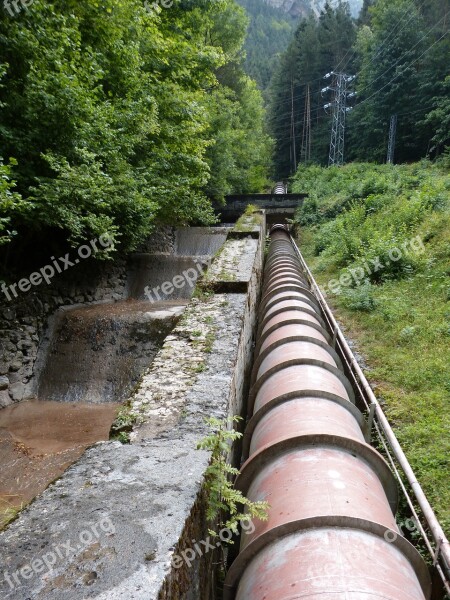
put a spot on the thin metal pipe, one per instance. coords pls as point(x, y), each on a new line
point(413, 511)
point(437, 532)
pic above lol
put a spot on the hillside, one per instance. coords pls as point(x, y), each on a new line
point(397, 55)
point(377, 240)
point(271, 27)
point(269, 33)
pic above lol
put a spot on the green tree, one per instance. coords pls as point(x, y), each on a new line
point(438, 120)
point(434, 128)
point(269, 33)
point(11, 203)
point(240, 156)
point(388, 81)
point(364, 15)
point(109, 111)
point(402, 59)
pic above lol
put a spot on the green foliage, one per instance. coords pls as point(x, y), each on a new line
point(360, 298)
point(367, 216)
point(318, 47)
point(439, 118)
point(400, 69)
point(123, 425)
point(407, 332)
point(269, 32)
point(241, 155)
point(11, 203)
point(114, 116)
point(250, 209)
point(401, 74)
point(223, 498)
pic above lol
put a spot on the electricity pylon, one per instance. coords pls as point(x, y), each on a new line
point(339, 106)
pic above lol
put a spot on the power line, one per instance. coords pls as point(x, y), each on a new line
point(302, 96)
point(339, 107)
point(299, 116)
point(404, 54)
point(410, 8)
point(288, 112)
point(373, 58)
point(281, 127)
point(386, 39)
point(422, 109)
point(398, 74)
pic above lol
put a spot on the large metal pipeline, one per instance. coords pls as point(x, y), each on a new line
point(331, 532)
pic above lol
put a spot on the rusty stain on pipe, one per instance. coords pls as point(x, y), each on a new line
point(331, 532)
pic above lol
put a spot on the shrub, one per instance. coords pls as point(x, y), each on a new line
point(387, 256)
point(365, 216)
point(360, 298)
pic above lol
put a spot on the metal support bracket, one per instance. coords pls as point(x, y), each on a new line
point(370, 419)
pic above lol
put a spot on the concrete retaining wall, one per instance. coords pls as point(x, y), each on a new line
point(24, 321)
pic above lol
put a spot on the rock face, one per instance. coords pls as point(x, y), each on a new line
point(295, 8)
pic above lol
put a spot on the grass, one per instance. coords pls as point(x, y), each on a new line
point(122, 425)
point(249, 219)
point(401, 327)
point(8, 512)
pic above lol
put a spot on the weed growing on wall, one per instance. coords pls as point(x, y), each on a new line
point(227, 506)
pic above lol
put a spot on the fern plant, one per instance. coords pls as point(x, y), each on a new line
point(222, 497)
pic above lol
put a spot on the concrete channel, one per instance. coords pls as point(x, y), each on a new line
point(110, 525)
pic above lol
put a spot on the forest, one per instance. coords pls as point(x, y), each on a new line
point(116, 117)
point(397, 52)
point(268, 35)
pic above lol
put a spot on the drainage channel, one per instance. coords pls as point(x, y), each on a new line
point(90, 360)
point(331, 531)
point(93, 358)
